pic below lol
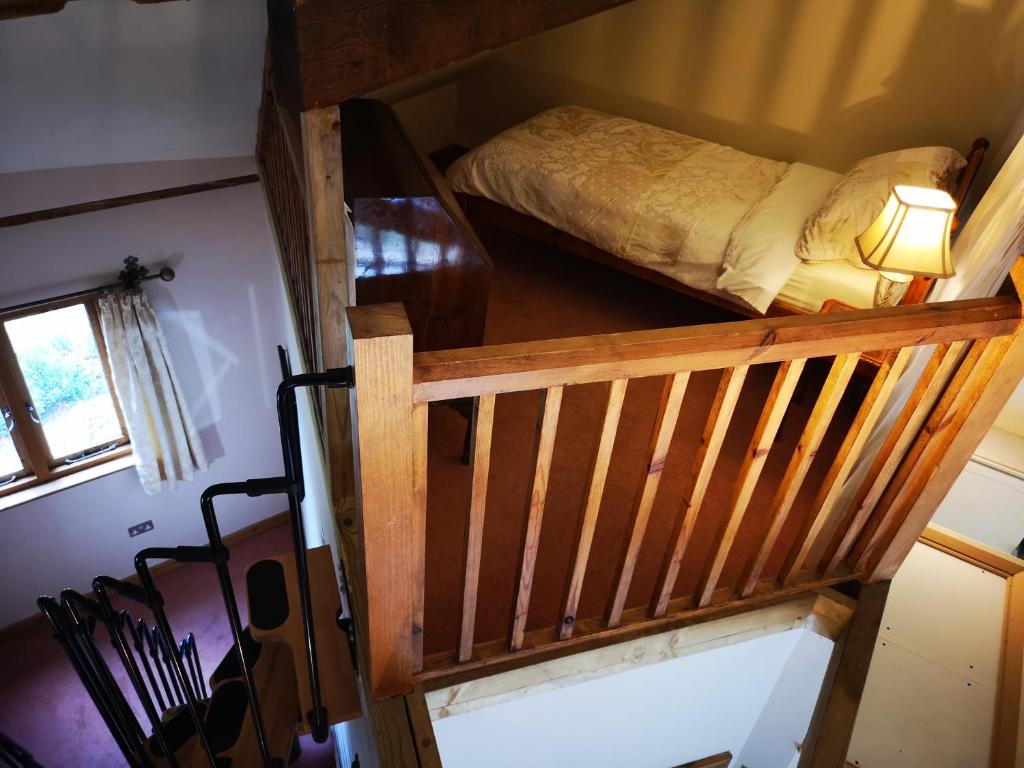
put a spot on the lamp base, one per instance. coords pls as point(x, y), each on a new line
point(889, 293)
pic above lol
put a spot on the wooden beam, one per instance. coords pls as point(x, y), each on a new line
point(75, 209)
point(16, 9)
point(971, 551)
point(1006, 735)
point(326, 51)
point(828, 737)
point(335, 291)
point(825, 613)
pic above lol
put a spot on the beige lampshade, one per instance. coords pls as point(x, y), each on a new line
point(911, 234)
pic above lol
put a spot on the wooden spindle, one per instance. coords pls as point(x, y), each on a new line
point(543, 451)
point(728, 392)
point(948, 417)
point(419, 476)
point(479, 470)
point(657, 452)
point(767, 428)
point(822, 510)
point(886, 510)
point(807, 448)
point(927, 390)
point(592, 505)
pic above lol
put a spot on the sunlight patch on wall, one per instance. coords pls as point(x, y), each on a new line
point(889, 38)
point(810, 64)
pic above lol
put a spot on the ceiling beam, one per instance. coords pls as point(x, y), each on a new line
point(326, 51)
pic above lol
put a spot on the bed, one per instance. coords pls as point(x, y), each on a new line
point(701, 218)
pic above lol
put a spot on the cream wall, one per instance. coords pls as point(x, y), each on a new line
point(823, 81)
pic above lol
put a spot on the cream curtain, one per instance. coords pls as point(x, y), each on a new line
point(165, 441)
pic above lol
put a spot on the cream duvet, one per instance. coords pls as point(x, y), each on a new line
point(709, 216)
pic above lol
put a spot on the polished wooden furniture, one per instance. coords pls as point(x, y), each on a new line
point(483, 210)
point(412, 242)
point(975, 359)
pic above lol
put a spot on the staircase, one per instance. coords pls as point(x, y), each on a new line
point(289, 671)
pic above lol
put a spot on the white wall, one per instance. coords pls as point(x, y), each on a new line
point(111, 81)
point(656, 715)
point(986, 504)
point(223, 317)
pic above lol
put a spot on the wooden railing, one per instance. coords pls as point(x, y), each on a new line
point(975, 357)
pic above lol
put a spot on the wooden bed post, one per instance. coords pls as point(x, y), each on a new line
point(382, 409)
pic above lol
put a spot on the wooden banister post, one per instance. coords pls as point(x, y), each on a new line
point(380, 341)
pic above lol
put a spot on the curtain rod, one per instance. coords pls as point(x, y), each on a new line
point(130, 277)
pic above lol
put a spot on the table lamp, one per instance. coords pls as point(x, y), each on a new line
point(910, 237)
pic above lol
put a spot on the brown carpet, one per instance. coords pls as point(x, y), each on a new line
point(537, 293)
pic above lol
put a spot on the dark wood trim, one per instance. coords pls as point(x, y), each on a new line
point(326, 51)
point(828, 737)
point(230, 540)
point(721, 760)
point(92, 206)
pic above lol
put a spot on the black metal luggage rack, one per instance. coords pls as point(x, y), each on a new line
point(177, 707)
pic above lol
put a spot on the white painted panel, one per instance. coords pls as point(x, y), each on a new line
point(948, 612)
point(782, 726)
point(653, 716)
point(987, 505)
point(916, 714)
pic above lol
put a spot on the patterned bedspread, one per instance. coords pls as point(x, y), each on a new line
point(645, 194)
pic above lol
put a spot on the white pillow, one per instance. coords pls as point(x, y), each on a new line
point(861, 193)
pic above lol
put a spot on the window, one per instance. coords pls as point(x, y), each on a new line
point(59, 411)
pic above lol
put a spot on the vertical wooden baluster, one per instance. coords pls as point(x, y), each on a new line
point(940, 433)
point(884, 514)
point(544, 448)
point(657, 451)
point(419, 476)
point(753, 462)
point(717, 425)
point(870, 411)
point(479, 469)
point(806, 449)
point(592, 505)
point(911, 418)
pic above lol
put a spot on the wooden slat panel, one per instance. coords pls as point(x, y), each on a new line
point(592, 504)
point(871, 409)
point(912, 416)
point(753, 462)
point(419, 518)
point(806, 449)
point(886, 512)
point(479, 470)
point(543, 452)
point(381, 344)
point(444, 375)
point(992, 383)
point(720, 415)
point(657, 452)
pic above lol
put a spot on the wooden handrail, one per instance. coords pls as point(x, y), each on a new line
point(456, 373)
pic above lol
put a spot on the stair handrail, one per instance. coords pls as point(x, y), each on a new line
point(102, 585)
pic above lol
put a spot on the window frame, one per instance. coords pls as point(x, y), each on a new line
point(39, 467)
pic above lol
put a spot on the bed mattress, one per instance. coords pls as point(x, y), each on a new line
point(712, 217)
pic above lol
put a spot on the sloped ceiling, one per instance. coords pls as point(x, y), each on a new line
point(113, 81)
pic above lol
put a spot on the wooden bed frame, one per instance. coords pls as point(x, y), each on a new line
point(480, 209)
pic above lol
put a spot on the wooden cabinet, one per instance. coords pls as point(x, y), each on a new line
point(412, 242)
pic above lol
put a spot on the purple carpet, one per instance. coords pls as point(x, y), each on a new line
point(44, 707)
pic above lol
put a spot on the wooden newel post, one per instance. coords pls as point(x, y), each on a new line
point(382, 416)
